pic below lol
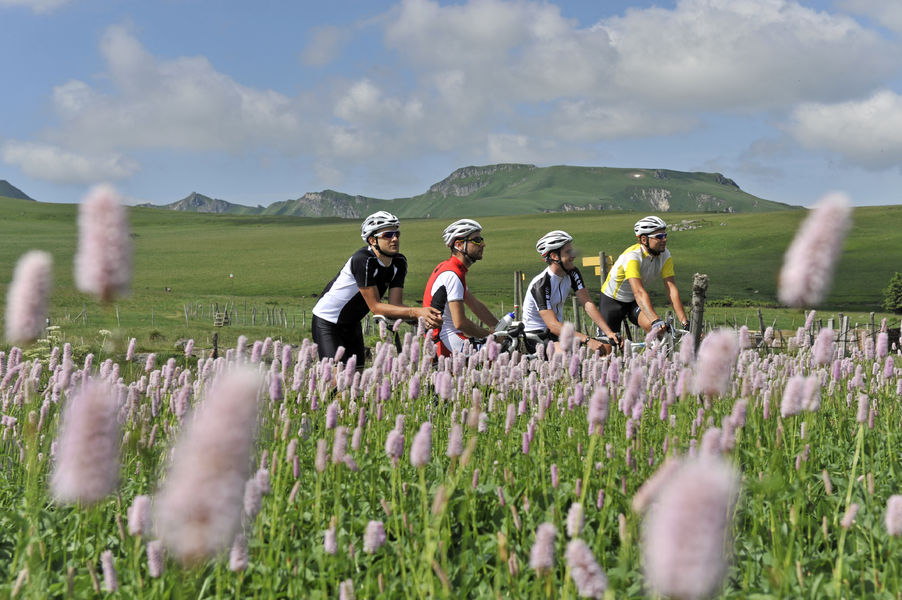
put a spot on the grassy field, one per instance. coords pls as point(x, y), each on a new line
point(283, 262)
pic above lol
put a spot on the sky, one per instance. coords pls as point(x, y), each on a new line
point(257, 102)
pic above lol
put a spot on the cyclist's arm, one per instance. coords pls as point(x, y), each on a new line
point(396, 310)
point(582, 296)
point(479, 309)
point(674, 294)
point(644, 302)
point(464, 324)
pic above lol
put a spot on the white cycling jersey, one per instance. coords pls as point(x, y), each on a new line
point(548, 291)
point(341, 302)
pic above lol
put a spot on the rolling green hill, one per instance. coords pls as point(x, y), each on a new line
point(510, 189)
point(184, 260)
point(8, 190)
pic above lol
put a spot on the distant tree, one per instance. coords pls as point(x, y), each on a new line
point(893, 294)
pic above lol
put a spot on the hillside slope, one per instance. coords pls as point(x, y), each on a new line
point(8, 190)
point(511, 189)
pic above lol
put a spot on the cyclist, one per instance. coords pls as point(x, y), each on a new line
point(359, 287)
point(447, 289)
point(624, 291)
point(543, 308)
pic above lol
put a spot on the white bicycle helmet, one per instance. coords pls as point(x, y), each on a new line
point(649, 224)
point(460, 229)
point(377, 221)
point(553, 240)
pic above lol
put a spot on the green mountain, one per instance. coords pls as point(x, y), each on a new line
point(510, 189)
point(199, 203)
point(8, 190)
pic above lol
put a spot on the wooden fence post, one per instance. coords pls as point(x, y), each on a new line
point(843, 334)
point(577, 316)
point(697, 318)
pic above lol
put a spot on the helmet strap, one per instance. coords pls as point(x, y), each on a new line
point(647, 246)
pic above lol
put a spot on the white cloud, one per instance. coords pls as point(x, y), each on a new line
point(183, 103)
point(324, 46)
point(886, 12)
point(588, 121)
point(38, 6)
point(867, 133)
point(744, 54)
point(51, 163)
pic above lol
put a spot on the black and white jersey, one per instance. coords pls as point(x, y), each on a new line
point(548, 291)
point(341, 302)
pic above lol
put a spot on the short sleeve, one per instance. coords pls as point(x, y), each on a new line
point(453, 285)
point(400, 266)
point(576, 280)
point(363, 269)
point(667, 269)
point(631, 269)
point(541, 293)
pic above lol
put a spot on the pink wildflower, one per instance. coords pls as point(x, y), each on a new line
point(575, 520)
point(103, 262)
point(810, 259)
point(685, 532)
point(894, 515)
point(716, 357)
point(322, 450)
point(421, 447)
point(374, 536)
point(598, 409)
point(590, 580)
point(238, 554)
point(793, 396)
point(253, 498)
point(155, 561)
point(863, 408)
point(455, 441)
point(199, 508)
point(110, 579)
point(823, 346)
point(849, 518)
point(541, 556)
point(87, 467)
point(139, 516)
point(27, 297)
point(394, 444)
point(330, 543)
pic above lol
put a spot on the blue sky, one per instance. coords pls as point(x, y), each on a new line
point(255, 102)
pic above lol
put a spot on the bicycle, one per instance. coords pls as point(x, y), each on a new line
point(670, 338)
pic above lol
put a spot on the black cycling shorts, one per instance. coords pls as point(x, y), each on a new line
point(329, 336)
point(613, 312)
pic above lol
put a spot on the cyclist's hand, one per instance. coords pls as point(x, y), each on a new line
point(594, 345)
point(685, 325)
point(431, 316)
point(616, 340)
point(657, 329)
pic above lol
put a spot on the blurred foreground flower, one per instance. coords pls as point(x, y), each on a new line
point(103, 262)
point(198, 511)
point(811, 257)
point(27, 297)
point(87, 454)
point(685, 532)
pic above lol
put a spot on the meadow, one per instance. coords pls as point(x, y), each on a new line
point(281, 263)
point(470, 477)
point(740, 470)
